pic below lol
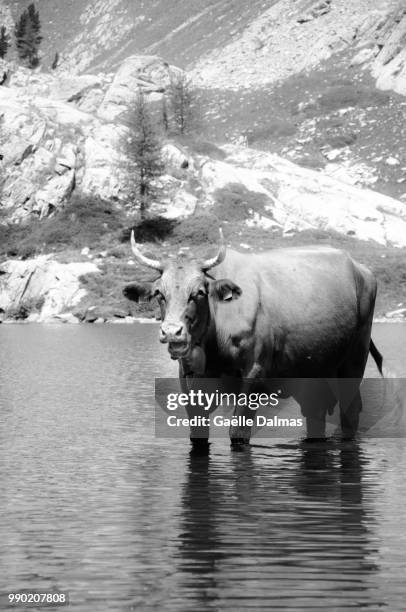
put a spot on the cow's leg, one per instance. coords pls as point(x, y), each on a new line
point(241, 434)
point(351, 373)
point(350, 408)
point(316, 400)
point(199, 434)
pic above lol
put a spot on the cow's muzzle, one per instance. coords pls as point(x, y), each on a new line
point(177, 338)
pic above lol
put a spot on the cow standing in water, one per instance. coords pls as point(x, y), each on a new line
point(290, 313)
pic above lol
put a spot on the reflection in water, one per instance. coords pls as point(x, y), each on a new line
point(92, 503)
point(259, 536)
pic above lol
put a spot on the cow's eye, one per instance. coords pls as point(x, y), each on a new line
point(197, 294)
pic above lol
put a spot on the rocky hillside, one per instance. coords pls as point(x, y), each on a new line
point(227, 44)
point(294, 136)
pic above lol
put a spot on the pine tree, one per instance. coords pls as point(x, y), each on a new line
point(144, 156)
point(28, 36)
point(182, 101)
point(4, 42)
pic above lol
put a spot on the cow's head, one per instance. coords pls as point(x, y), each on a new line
point(182, 289)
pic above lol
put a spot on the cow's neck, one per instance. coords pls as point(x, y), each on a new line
point(195, 363)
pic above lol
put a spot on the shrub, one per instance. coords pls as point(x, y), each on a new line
point(200, 228)
point(338, 141)
point(276, 128)
point(201, 146)
point(150, 229)
point(82, 222)
point(342, 96)
point(234, 202)
point(105, 291)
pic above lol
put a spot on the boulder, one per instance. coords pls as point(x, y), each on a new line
point(389, 67)
point(54, 194)
point(316, 10)
point(363, 56)
point(49, 147)
point(42, 286)
point(148, 73)
point(103, 171)
point(181, 205)
point(177, 162)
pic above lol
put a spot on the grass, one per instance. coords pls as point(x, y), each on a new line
point(200, 232)
point(83, 222)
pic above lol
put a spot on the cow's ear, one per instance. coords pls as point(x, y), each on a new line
point(225, 290)
point(138, 292)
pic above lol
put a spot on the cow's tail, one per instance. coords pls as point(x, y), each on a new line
point(377, 356)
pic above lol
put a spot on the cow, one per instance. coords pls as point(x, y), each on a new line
point(287, 314)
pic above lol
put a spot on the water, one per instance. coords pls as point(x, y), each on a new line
point(91, 503)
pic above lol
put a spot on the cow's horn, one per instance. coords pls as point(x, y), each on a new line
point(215, 261)
point(146, 261)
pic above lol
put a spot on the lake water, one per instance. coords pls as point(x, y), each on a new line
point(93, 504)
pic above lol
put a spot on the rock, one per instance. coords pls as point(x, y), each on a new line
point(55, 193)
point(182, 205)
point(85, 251)
point(392, 161)
point(299, 198)
point(389, 67)
point(332, 155)
point(120, 314)
point(66, 317)
point(91, 315)
point(79, 89)
point(363, 56)
point(66, 159)
point(146, 72)
point(177, 162)
point(262, 221)
point(315, 11)
point(42, 285)
point(396, 314)
point(104, 165)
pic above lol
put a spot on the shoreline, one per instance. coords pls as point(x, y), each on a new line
point(60, 320)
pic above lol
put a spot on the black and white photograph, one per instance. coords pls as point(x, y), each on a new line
point(202, 305)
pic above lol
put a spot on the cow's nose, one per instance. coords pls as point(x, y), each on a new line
point(170, 331)
point(179, 331)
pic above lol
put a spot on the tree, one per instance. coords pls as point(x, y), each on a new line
point(55, 61)
point(28, 36)
point(4, 42)
point(181, 99)
point(144, 155)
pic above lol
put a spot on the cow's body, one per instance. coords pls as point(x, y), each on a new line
point(290, 313)
point(301, 313)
